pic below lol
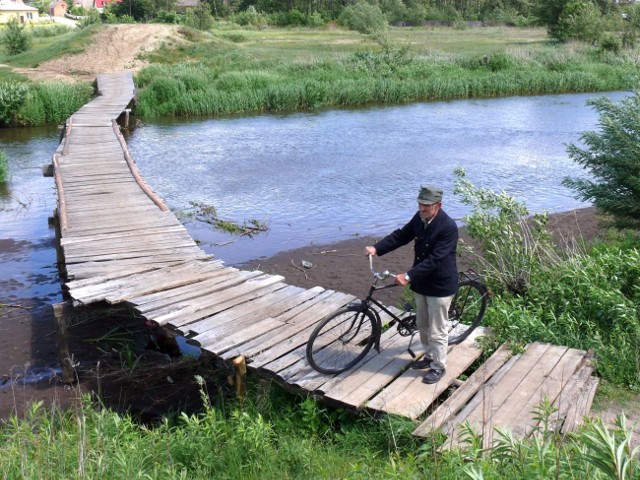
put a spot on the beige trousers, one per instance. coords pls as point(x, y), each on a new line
point(432, 314)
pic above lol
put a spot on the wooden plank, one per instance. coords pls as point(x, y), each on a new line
point(206, 290)
point(569, 396)
point(267, 341)
point(299, 320)
point(482, 398)
point(113, 274)
point(226, 323)
point(192, 251)
point(353, 379)
point(117, 290)
point(229, 299)
point(545, 379)
point(409, 397)
point(581, 407)
point(376, 368)
point(463, 394)
point(512, 380)
point(130, 234)
point(183, 314)
point(155, 301)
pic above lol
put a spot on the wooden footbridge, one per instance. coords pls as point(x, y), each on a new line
point(121, 244)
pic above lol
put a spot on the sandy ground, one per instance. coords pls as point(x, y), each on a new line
point(115, 48)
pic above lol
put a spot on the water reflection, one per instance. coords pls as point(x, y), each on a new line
point(326, 176)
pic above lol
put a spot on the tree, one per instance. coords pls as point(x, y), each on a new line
point(363, 17)
point(15, 39)
point(611, 155)
point(579, 20)
point(200, 17)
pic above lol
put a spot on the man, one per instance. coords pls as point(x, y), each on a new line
point(433, 277)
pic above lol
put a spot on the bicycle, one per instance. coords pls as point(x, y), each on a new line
point(345, 337)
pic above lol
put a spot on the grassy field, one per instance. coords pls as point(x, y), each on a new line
point(233, 70)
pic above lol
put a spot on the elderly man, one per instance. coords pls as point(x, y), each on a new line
point(433, 277)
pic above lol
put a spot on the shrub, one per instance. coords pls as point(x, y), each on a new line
point(513, 246)
point(12, 96)
point(15, 39)
point(363, 17)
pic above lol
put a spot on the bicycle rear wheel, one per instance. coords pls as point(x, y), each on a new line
point(466, 310)
point(341, 340)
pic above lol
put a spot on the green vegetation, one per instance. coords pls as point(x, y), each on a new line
point(274, 71)
point(4, 167)
point(46, 47)
point(14, 38)
point(581, 296)
point(611, 157)
point(280, 436)
point(41, 104)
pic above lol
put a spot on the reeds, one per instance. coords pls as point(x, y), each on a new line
point(369, 77)
point(51, 103)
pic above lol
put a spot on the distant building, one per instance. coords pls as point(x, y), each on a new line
point(184, 5)
point(12, 8)
point(58, 8)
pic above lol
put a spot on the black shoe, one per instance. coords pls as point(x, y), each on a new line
point(433, 375)
point(421, 364)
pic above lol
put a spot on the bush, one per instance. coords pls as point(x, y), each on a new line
point(513, 247)
point(15, 39)
point(12, 96)
point(199, 17)
point(363, 17)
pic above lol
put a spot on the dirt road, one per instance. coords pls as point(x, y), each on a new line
point(113, 49)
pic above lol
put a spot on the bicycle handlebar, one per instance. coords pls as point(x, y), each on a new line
point(379, 275)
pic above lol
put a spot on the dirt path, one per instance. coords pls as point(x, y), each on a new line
point(114, 48)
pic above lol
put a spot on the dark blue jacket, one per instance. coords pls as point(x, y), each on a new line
point(434, 272)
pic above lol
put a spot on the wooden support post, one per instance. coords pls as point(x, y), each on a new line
point(59, 311)
point(127, 111)
point(240, 367)
point(47, 170)
point(487, 414)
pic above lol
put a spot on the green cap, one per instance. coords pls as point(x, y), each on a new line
point(429, 195)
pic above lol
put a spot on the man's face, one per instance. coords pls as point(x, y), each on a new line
point(427, 212)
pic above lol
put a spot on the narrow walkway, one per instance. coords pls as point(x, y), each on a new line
point(122, 244)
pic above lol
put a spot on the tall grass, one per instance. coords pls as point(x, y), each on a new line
point(28, 104)
point(586, 298)
point(280, 436)
point(223, 82)
point(52, 102)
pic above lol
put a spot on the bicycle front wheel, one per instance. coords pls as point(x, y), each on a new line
point(466, 310)
point(341, 340)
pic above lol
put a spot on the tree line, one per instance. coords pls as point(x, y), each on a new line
point(562, 17)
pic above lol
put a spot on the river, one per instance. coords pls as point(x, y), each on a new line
point(313, 177)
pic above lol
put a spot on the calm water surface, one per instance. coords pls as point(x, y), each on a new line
point(322, 177)
point(27, 253)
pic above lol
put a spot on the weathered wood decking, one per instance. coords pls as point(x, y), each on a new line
point(122, 244)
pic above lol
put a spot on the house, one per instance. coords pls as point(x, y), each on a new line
point(184, 5)
point(11, 8)
point(58, 8)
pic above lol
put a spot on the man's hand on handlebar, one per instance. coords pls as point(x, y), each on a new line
point(400, 280)
point(370, 250)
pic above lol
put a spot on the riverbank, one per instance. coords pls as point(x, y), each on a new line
point(342, 266)
point(110, 338)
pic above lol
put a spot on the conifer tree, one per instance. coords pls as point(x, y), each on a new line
point(612, 156)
